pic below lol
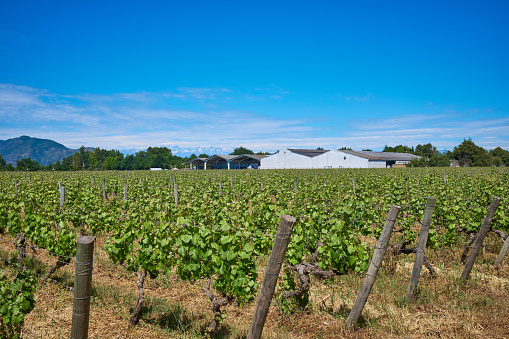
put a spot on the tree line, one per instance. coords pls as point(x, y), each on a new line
point(101, 159)
point(466, 154)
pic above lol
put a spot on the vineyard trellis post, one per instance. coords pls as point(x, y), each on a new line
point(176, 195)
point(16, 187)
point(62, 196)
point(485, 228)
point(104, 190)
point(502, 252)
point(372, 272)
point(283, 235)
point(419, 256)
point(82, 287)
point(125, 192)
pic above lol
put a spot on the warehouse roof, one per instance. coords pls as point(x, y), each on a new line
point(252, 156)
point(308, 152)
point(195, 160)
point(218, 157)
point(388, 156)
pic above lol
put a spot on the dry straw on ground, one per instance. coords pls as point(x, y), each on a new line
point(445, 307)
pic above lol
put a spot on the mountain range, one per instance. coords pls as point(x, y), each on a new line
point(46, 151)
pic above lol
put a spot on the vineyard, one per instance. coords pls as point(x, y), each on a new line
point(209, 234)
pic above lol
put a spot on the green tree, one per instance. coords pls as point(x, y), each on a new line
point(398, 149)
point(499, 155)
point(203, 155)
point(241, 150)
point(2, 161)
point(345, 148)
point(469, 154)
point(27, 164)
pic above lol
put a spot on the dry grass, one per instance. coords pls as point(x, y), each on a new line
point(445, 307)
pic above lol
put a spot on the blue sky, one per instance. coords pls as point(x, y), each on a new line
point(265, 75)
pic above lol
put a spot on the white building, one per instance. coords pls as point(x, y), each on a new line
point(308, 158)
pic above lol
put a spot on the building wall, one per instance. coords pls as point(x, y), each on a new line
point(377, 164)
point(285, 159)
point(331, 159)
point(338, 159)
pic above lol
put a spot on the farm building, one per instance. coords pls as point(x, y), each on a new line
point(197, 163)
point(308, 158)
point(233, 161)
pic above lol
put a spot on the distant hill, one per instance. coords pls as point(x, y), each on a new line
point(44, 151)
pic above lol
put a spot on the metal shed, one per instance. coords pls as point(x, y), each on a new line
point(218, 161)
point(246, 161)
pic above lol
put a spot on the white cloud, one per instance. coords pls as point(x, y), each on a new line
point(143, 119)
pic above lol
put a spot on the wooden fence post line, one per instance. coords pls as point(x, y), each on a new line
point(104, 191)
point(62, 196)
point(485, 228)
point(125, 192)
point(376, 262)
point(283, 235)
point(502, 252)
point(82, 287)
point(419, 256)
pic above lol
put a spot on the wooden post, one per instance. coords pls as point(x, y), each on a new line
point(125, 192)
point(82, 287)
point(283, 235)
point(62, 196)
point(176, 195)
point(263, 187)
point(353, 184)
point(92, 180)
point(485, 228)
point(502, 252)
point(220, 189)
point(376, 262)
point(419, 256)
point(59, 185)
point(16, 186)
point(104, 190)
point(445, 179)
point(295, 185)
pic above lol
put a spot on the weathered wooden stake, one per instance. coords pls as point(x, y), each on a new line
point(263, 187)
point(220, 189)
point(125, 192)
point(353, 184)
point(502, 252)
point(375, 265)
point(283, 235)
point(104, 190)
point(62, 196)
point(176, 195)
point(419, 256)
point(16, 187)
point(92, 180)
point(485, 228)
point(82, 287)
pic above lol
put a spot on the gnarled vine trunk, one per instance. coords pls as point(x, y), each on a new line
point(135, 317)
